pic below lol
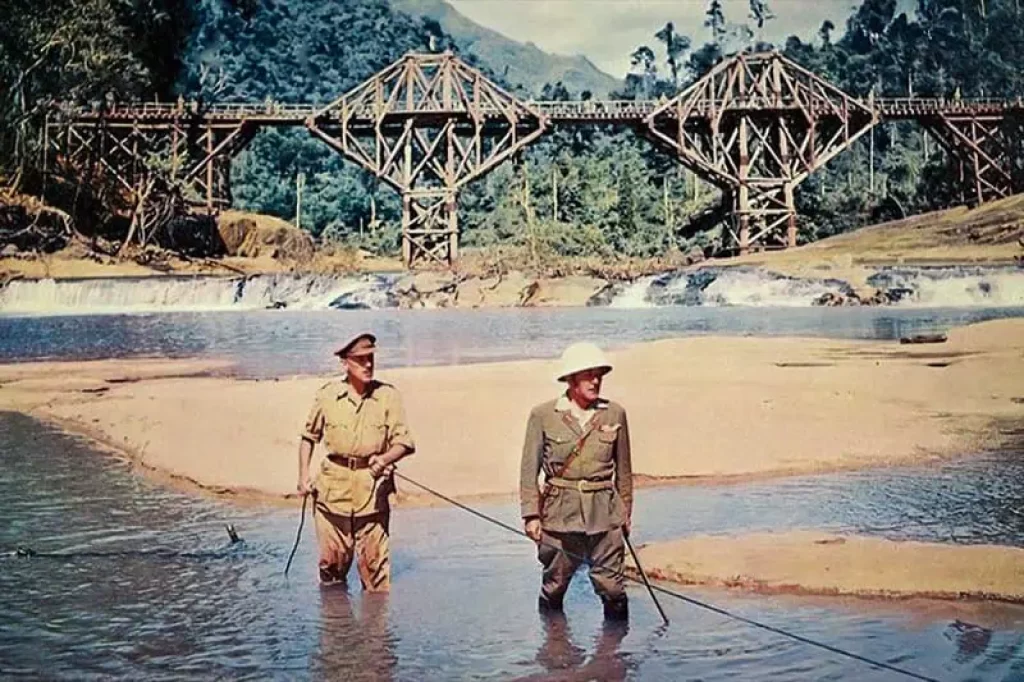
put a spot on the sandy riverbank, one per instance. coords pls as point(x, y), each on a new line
point(701, 409)
point(809, 562)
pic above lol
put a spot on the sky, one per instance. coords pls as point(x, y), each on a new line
point(607, 31)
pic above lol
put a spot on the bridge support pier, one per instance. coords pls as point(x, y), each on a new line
point(980, 144)
point(757, 126)
point(764, 216)
point(179, 150)
point(430, 227)
point(428, 125)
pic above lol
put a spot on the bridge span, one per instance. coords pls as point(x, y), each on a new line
point(756, 126)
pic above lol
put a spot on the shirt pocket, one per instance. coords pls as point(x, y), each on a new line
point(605, 442)
point(557, 448)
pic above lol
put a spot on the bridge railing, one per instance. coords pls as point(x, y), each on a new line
point(946, 104)
point(269, 109)
point(566, 110)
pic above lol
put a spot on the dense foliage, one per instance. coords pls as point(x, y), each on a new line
point(587, 192)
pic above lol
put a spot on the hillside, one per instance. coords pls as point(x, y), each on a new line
point(520, 64)
point(990, 234)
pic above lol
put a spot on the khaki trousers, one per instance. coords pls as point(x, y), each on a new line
point(341, 537)
point(604, 552)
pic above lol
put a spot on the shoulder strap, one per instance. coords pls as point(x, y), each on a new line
point(573, 454)
point(578, 448)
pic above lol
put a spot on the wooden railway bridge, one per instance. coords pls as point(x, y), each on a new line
point(756, 125)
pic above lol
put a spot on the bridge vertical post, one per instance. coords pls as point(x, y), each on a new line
point(453, 227)
point(791, 218)
point(175, 152)
point(977, 162)
point(743, 191)
point(406, 221)
point(209, 167)
point(963, 180)
point(785, 158)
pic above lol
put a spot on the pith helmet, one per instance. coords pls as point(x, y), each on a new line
point(363, 344)
point(580, 357)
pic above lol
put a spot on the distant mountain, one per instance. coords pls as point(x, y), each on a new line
point(520, 64)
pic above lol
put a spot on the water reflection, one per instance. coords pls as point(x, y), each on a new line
point(971, 640)
point(351, 647)
point(565, 660)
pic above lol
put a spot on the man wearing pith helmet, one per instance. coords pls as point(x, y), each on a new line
point(362, 424)
point(580, 442)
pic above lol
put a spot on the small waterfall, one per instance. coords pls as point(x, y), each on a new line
point(634, 294)
point(759, 288)
point(953, 286)
point(724, 287)
point(194, 294)
point(753, 287)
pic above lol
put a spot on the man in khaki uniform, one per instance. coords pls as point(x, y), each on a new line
point(362, 424)
point(581, 443)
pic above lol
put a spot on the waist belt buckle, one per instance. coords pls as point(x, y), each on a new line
point(579, 485)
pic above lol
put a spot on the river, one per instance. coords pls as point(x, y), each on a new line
point(132, 580)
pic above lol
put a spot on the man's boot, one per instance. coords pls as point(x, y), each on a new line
point(616, 609)
point(547, 604)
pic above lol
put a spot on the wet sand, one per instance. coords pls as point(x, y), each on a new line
point(814, 563)
point(707, 409)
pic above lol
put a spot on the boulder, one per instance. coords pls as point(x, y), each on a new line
point(501, 291)
point(427, 289)
point(256, 236)
point(565, 291)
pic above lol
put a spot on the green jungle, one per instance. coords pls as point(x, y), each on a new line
point(592, 192)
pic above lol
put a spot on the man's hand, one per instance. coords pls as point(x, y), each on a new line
point(533, 529)
point(627, 526)
point(304, 487)
point(380, 466)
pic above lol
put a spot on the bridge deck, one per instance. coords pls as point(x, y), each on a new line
point(595, 111)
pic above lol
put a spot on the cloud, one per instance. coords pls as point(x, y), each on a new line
point(607, 31)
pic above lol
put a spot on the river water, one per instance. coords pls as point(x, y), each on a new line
point(147, 585)
point(283, 342)
point(134, 581)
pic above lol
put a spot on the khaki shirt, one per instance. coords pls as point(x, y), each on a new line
point(551, 434)
point(357, 427)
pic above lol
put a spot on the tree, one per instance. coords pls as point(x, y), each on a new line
point(761, 14)
point(715, 20)
point(643, 59)
point(675, 46)
point(825, 34)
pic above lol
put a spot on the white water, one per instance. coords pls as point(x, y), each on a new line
point(711, 287)
point(634, 295)
point(957, 288)
point(755, 289)
point(731, 287)
point(174, 294)
point(746, 287)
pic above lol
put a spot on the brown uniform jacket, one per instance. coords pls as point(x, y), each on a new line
point(551, 434)
point(357, 427)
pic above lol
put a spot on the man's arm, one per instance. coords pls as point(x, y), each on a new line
point(312, 432)
point(529, 469)
point(624, 472)
point(400, 441)
point(304, 485)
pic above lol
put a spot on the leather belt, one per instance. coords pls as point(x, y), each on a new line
point(350, 462)
point(582, 485)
